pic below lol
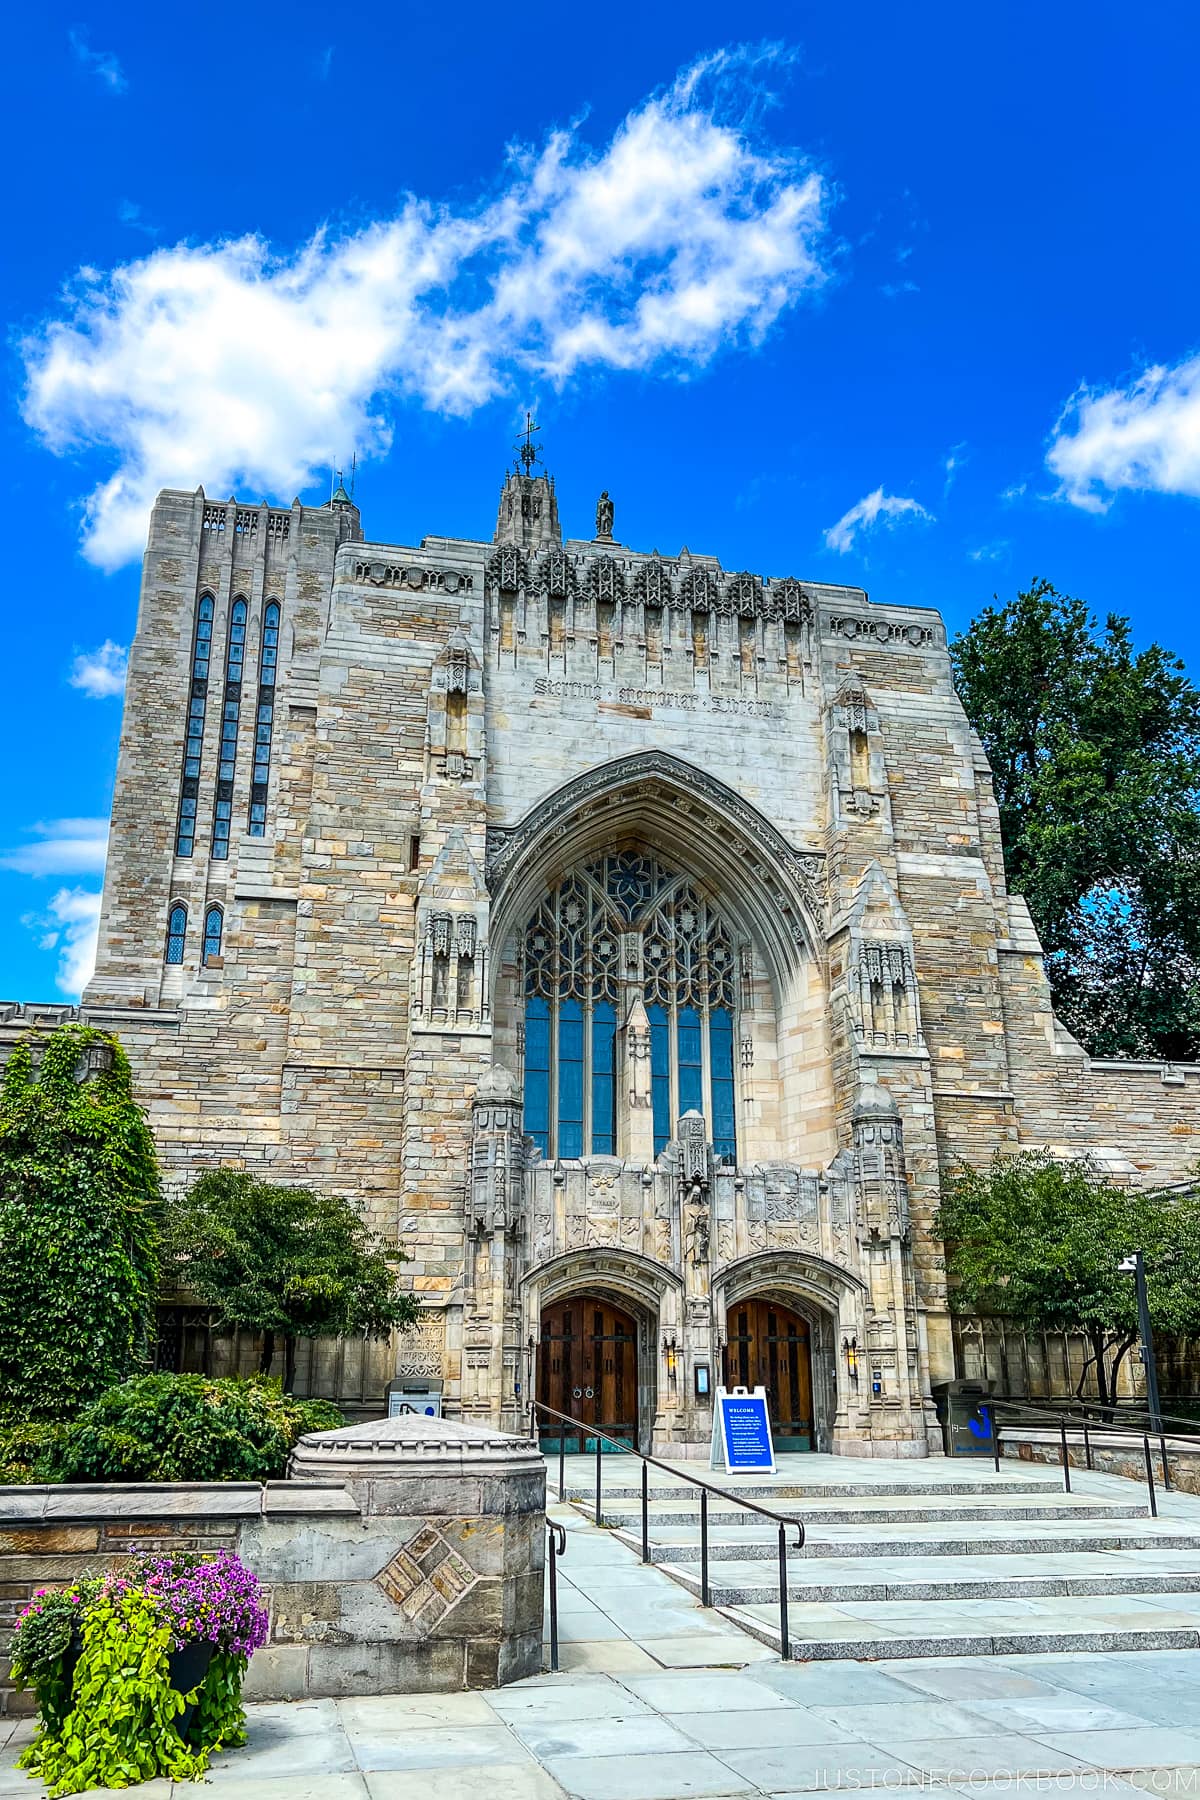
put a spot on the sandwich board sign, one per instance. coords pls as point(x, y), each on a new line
point(741, 1433)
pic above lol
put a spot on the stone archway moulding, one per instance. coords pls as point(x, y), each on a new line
point(801, 1273)
point(632, 1277)
point(720, 837)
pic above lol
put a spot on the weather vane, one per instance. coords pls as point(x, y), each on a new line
point(525, 447)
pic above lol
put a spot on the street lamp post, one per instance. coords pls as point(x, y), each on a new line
point(1135, 1265)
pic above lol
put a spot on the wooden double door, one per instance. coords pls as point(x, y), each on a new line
point(588, 1369)
point(768, 1346)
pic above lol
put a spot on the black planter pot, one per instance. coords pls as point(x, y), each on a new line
point(187, 1668)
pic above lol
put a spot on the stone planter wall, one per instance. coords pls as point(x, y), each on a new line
point(1110, 1455)
point(402, 1557)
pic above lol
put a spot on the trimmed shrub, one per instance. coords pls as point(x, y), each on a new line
point(27, 1451)
point(186, 1428)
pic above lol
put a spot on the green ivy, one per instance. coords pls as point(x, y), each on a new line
point(79, 1225)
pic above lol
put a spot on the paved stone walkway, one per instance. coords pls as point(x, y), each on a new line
point(658, 1700)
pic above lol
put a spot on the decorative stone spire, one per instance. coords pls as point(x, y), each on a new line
point(528, 515)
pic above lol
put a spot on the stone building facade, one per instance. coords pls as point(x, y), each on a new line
point(627, 936)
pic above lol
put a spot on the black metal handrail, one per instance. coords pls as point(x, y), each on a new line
point(557, 1547)
point(781, 1520)
point(1022, 1413)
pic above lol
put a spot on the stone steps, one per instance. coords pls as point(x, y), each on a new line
point(627, 1516)
point(776, 1492)
point(868, 1630)
point(760, 1542)
point(834, 1581)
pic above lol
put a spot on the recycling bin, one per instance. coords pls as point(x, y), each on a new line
point(965, 1416)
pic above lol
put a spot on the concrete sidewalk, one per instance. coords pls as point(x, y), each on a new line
point(659, 1700)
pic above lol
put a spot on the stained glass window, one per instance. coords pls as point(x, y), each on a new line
point(193, 743)
point(679, 959)
point(235, 662)
point(264, 719)
point(214, 921)
point(176, 933)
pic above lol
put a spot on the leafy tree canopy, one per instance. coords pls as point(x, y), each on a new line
point(1095, 750)
point(283, 1261)
point(1041, 1242)
point(79, 1212)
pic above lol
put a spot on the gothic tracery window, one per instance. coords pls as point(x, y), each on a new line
point(214, 925)
point(185, 831)
point(235, 661)
point(264, 719)
point(176, 933)
point(679, 959)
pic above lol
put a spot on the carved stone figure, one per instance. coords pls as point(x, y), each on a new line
point(604, 516)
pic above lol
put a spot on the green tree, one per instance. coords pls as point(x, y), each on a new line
point(79, 1214)
point(1041, 1242)
point(1095, 750)
point(283, 1261)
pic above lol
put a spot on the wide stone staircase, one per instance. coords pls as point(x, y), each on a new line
point(931, 1559)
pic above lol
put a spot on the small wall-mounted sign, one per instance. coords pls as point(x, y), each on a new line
point(700, 1373)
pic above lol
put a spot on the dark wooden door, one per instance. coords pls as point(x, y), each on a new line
point(768, 1346)
point(587, 1368)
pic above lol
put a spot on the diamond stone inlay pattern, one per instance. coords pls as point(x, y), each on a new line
point(427, 1578)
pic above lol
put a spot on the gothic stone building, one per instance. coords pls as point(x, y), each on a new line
point(628, 937)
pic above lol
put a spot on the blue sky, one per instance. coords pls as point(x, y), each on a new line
point(902, 297)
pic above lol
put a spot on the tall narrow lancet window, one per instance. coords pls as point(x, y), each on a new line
point(193, 745)
point(214, 923)
point(235, 662)
point(176, 933)
point(264, 719)
point(679, 961)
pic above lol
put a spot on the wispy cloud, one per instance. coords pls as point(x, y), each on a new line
point(1016, 491)
point(61, 847)
point(100, 673)
point(996, 551)
point(130, 213)
point(324, 63)
point(683, 235)
point(69, 925)
point(892, 288)
point(103, 64)
point(872, 509)
point(955, 459)
point(1143, 436)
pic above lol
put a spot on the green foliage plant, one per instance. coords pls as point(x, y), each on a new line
point(79, 1214)
point(284, 1262)
point(121, 1728)
point(1095, 755)
point(26, 1452)
point(186, 1428)
point(1041, 1242)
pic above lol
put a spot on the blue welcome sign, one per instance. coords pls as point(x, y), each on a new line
point(742, 1431)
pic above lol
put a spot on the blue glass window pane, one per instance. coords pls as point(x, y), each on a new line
point(537, 1072)
point(176, 933)
point(570, 1078)
point(212, 931)
point(604, 1087)
point(720, 1043)
point(691, 1062)
point(660, 1075)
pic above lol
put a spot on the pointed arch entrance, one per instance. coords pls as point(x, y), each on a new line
point(769, 1345)
point(588, 1368)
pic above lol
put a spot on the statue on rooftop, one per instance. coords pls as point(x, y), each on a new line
point(604, 516)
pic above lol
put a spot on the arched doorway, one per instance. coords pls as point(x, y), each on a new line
point(768, 1346)
point(588, 1368)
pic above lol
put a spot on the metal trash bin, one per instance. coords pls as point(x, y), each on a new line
point(965, 1416)
point(415, 1396)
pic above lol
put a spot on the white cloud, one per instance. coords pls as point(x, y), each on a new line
point(70, 926)
point(1144, 436)
point(1015, 492)
point(234, 365)
point(993, 552)
point(103, 64)
point(324, 63)
point(61, 847)
point(893, 289)
point(869, 511)
point(100, 673)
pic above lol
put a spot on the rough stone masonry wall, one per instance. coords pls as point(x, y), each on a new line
point(423, 1580)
